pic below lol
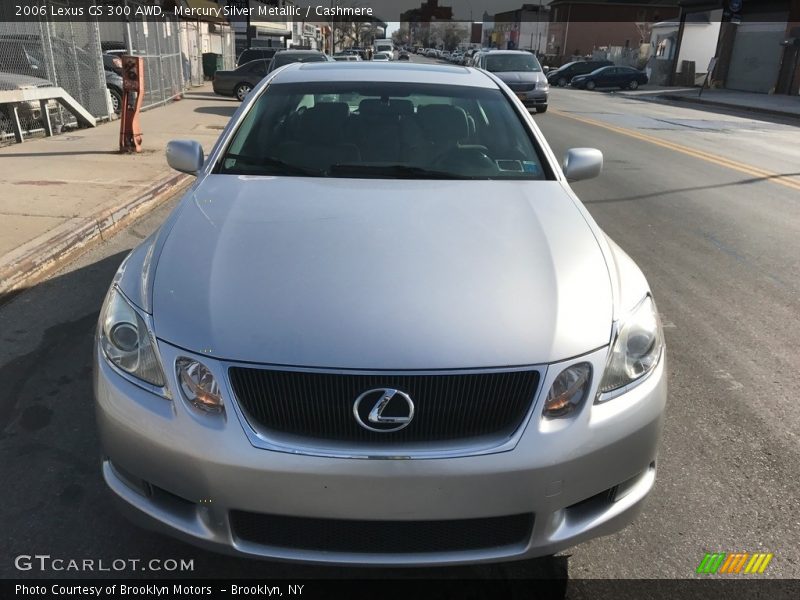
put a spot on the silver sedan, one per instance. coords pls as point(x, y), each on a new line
point(380, 328)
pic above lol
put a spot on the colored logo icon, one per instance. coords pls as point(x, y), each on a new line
point(745, 563)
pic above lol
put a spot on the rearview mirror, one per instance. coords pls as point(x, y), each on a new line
point(582, 163)
point(185, 156)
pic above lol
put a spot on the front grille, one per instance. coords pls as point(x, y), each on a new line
point(380, 537)
point(446, 406)
point(522, 87)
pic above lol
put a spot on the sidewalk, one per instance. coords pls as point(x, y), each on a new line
point(62, 194)
point(779, 105)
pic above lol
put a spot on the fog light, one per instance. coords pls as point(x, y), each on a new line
point(198, 385)
point(568, 391)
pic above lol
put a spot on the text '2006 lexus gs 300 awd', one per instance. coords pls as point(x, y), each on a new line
point(380, 328)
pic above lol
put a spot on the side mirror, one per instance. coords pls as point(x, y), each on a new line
point(582, 163)
point(185, 156)
point(546, 69)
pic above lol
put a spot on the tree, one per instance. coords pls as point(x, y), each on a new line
point(453, 35)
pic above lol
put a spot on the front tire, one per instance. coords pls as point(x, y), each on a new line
point(242, 90)
point(541, 109)
point(562, 82)
point(590, 85)
point(116, 100)
point(633, 85)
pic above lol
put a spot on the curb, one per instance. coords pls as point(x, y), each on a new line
point(723, 105)
point(35, 260)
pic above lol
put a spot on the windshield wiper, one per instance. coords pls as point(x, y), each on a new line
point(393, 171)
point(268, 161)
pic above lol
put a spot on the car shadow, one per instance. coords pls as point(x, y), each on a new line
point(749, 180)
point(59, 504)
point(222, 111)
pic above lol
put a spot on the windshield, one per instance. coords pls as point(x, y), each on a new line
point(504, 63)
point(383, 130)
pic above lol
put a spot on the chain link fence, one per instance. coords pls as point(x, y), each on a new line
point(83, 58)
point(157, 40)
point(40, 53)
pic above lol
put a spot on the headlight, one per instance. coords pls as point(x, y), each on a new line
point(198, 385)
point(126, 341)
point(635, 352)
point(543, 85)
point(568, 391)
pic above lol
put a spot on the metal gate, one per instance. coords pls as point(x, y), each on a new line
point(756, 57)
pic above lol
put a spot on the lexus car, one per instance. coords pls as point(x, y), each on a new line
point(380, 329)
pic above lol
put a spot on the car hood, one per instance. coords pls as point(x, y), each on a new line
point(14, 81)
point(381, 274)
point(521, 76)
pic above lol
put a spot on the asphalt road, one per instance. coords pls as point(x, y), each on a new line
point(720, 244)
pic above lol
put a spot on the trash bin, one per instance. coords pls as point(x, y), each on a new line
point(211, 64)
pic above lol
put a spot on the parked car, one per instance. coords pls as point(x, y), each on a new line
point(251, 54)
point(114, 86)
point(626, 78)
point(285, 57)
point(362, 52)
point(493, 391)
point(349, 57)
point(381, 56)
point(28, 112)
point(112, 65)
point(241, 80)
point(564, 74)
point(430, 53)
point(522, 73)
point(478, 55)
point(403, 55)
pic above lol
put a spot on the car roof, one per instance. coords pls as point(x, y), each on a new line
point(501, 52)
point(293, 51)
point(394, 72)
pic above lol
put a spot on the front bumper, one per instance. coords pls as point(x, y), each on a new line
point(183, 472)
point(534, 99)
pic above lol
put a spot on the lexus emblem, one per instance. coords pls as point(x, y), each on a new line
point(383, 410)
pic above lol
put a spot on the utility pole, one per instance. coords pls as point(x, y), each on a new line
point(538, 34)
point(248, 33)
point(333, 32)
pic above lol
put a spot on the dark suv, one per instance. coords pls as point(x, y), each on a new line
point(256, 54)
point(564, 74)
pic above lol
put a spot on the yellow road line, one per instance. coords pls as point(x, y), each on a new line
point(706, 156)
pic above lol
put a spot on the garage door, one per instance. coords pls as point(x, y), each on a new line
point(757, 53)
